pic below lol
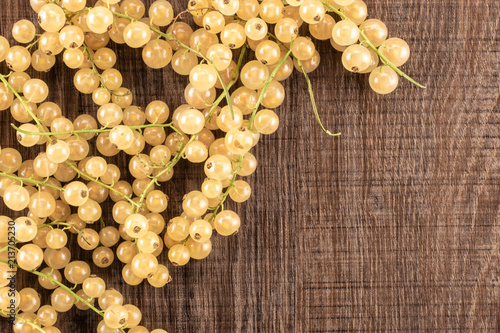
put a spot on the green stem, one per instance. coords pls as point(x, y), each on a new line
point(56, 223)
point(75, 295)
point(96, 71)
point(371, 46)
point(26, 107)
point(30, 180)
point(172, 163)
point(48, 277)
point(387, 62)
point(210, 62)
point(24, 321)
point(224, 86)
point(311, 93)
point(313, 102)
point(96, 131)
point(73, 14)
point(87, 50)
point(81, 173)
point(5, 248)
point(69, 290)
point(231, 83)
point(32, 44)
point(68, 226)
point(266, 85)
point(335, 10)
point(226, 193)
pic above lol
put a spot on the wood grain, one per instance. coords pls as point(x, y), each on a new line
point(394, 226)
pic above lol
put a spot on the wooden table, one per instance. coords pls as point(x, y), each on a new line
point(394, 226)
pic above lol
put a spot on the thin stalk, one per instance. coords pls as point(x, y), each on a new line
point(30, 180)
point(5, 248)
point(224, 86)
point(24, 321)
point(69, 17)
point(387, 62)
point(266, 85)
point(229, 188)
point(48, 277)
point(371, 46)
point(206, 9)
point(96, 71)
point(187, 238)
point(26, 107)
point(68, 289)
point(87, 50)
point(96, 131)
point(313, 102)
point(210, 62)
point(230, 84)
point(33, 44)
point(68, 226)
point(57, 223)
point(154, 179)
point(80, 174)
point(311, 93)
point(171, 126)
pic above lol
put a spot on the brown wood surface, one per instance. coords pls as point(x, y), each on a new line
point(394, 226)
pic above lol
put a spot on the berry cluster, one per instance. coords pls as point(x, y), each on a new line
point(62, 189)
